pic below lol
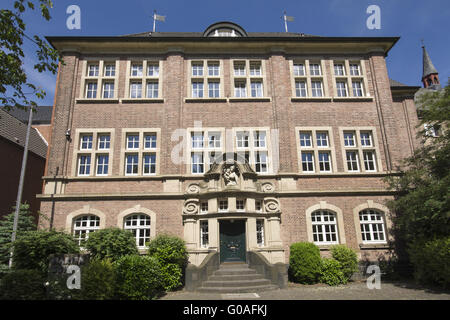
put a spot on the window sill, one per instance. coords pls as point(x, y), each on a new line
point(311, 99)
point(250, 99)
point(373, 246)
point(142, 100)
point(195, 100)
point(348, 99)
point(96, 100)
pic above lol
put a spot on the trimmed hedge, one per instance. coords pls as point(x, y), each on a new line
point(331, 273)
point(111, 243)
point(138, 278)
point(304, 262)
point(431, 261)
point(347, 259)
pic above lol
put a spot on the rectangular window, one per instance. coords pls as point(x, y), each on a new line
point(258, 205)
point(255, 68)
point(256, 89)
point(110, 70)
point(197, 140)
point(324, 162)
point(93, 70)
point(153, 70)
point(133, 141)
point(316, 88)
point(223, 205)
point(86, 142)
point(91, 90)
point(299, 69)
point(240, 204)
point(104, 141)
point(352, 161)
point(108, 90)
point(204, 207)
point(149, 163)
point(131, 164)
point(341, 88)
point(314, 69)
point(242, 139)
point(213, 69)
point(150, 141)
point(213, 89)
point(152, 89)
point(136, 70)
point(366, 139)
point(261, 162)
point(369, 160)
point(102, 165)
point(197, 69)
point(239, 69)
point(339, 69)
point(136, 90)
point(260, 232)
point(214, 139)
point(84, 165)
point(307, 162)
point(300, 89)
point(204, 234)
point(305, 139)
point(357, 89)
point(322, 139)
point(197, 162)
point(197, 89)
point(259, 138)
point(349, 139)
point(354, 69)
point(240, 90)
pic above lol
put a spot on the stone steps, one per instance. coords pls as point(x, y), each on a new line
point(236, 278)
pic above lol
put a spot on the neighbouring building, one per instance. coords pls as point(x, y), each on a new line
point(235, 141)
point(12, 141)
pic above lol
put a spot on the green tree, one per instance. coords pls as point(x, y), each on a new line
point(421, 211)
point(26, 222)
point(13, 79)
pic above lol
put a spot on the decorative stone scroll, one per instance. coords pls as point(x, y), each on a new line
point(271, 205)
point(191, 206)
point(193, 188)
point(267, 187)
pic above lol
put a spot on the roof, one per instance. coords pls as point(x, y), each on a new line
point(201, 35)
point(42, 115)
point(428, 67)
point(15, 131)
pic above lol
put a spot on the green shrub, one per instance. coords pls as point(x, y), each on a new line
point(304, 262)
point(431, 261)
point(331, 273)
point(98, 280)
point(347, 259)
point(111, 243)
point(33, 248)
point(138, 278)
point(20, 284)
point(171, 253)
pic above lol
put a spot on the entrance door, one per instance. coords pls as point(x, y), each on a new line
point(232, 240)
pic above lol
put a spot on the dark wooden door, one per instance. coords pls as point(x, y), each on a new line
point(232, 241)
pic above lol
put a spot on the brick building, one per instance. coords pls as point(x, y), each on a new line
point(237, 142)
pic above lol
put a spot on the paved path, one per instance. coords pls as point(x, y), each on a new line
point(351, 291)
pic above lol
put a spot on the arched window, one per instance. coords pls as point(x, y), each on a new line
point(372, 226)
point(83, 225)
point(324, 227)
point(139, 225)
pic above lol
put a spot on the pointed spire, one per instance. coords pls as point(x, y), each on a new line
point(428, 67)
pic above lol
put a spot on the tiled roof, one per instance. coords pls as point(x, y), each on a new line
point(428, 67)
point(15, 131)
point(43, 114)
point(395, 83)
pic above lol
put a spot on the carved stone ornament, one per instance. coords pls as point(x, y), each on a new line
point(193, 188)
point(271, 205)
point(267, 187)
point(230, 173)
point(190, 206)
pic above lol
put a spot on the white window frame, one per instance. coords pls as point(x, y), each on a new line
point(370, 222)
point(323, 227)
point(88, 218)
point(138, 227)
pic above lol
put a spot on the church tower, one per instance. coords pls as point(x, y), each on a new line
point(430, 76)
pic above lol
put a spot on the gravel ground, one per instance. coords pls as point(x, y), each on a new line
point(352, 291)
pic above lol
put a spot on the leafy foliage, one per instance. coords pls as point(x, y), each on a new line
point(33, 248)
point(138, 278)
point(347, 259)
point(431, 261)
point(331, 273)
point(12, 35)
point(111, 243)
point(171, 253)
point(304, 262)
point(98, 280)
point(23, 284)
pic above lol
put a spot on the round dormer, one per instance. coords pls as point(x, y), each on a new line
point(224, 29)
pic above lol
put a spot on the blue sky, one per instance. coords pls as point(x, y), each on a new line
point(412, 20)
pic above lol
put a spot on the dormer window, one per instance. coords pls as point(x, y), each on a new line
point(224, 29)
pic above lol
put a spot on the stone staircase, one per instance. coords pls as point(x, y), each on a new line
point(236, 277)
